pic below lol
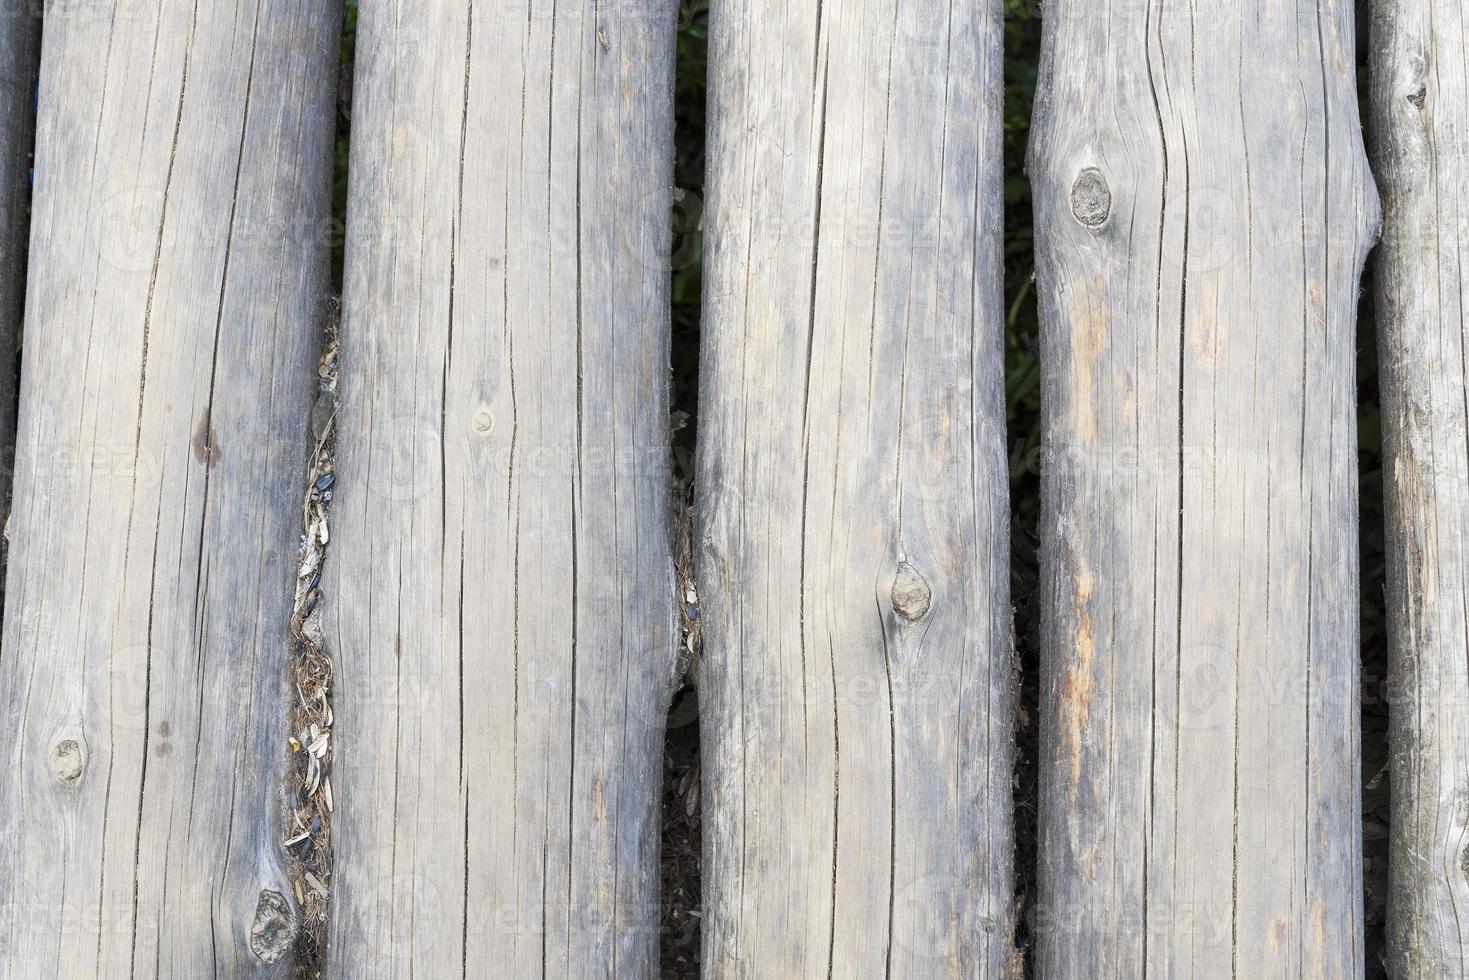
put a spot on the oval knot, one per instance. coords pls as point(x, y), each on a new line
point(273, 931)
point(1091, 198)
point(912, 596)
point(68, 759)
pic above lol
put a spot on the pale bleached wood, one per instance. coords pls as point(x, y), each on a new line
point(501, 601)
point(1203, 208)
point(1420, 105)
point(177, 291)
point(853, 521)
point(20, 36)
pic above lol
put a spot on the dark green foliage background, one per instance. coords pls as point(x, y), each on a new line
point(1022, 369)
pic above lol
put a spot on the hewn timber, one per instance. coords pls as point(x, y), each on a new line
point(1203, 209)
point(20, 36)
point(177, 289)
point(502, 598)
point(853, 524)
point(1420, 107)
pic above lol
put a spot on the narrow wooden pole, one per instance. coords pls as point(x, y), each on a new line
point(502, 598)
point(1420, 105)
point(853, 518)
point(1203, 211)
point(177, 289)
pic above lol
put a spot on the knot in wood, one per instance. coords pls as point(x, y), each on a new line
point(1091, 198)
point(484, 421)
point(67, 760)
point(273, 931)
point(911, 595)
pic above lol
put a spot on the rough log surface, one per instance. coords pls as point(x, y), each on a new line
point(177, 289)
point(1203, 211)
point(501, 605)
point(853, 521)
point(1420, 105)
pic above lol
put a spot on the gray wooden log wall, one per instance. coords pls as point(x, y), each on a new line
point(1420, 107)
point(502, 601)
point(853, 516)
point(177, 284)
point(1203, 210)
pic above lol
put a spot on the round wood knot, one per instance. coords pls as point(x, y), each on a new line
point(484, 422)
point(273, 931)
point(1091, 198)
point(68, 760)
point(911, 595)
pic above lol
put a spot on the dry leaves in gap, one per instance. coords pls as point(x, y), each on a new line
point(308, 820)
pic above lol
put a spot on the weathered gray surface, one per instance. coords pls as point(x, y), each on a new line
point(501, 596)
point(176, 293)
point(853, 528)
point(20, 36)
point(1203, 210)
point(1420, 104)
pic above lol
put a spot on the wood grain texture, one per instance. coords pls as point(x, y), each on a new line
point(177, 290)
point(502, 598)
point(853, 522)
point(20, 45)
point(1203, 209)
point(1420, 105)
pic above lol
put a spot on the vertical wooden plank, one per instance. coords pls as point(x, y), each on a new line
point(502, 598)
point(177, 288)
point(853, 517)
point(1420, 104)
point(20, 36)
point(1203, 211)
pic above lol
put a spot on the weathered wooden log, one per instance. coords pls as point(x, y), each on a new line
point(853, 522)
point(178, 285)
point(20, 36)
point(1203, 209)
point(1420, 106)
point(502, 601)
